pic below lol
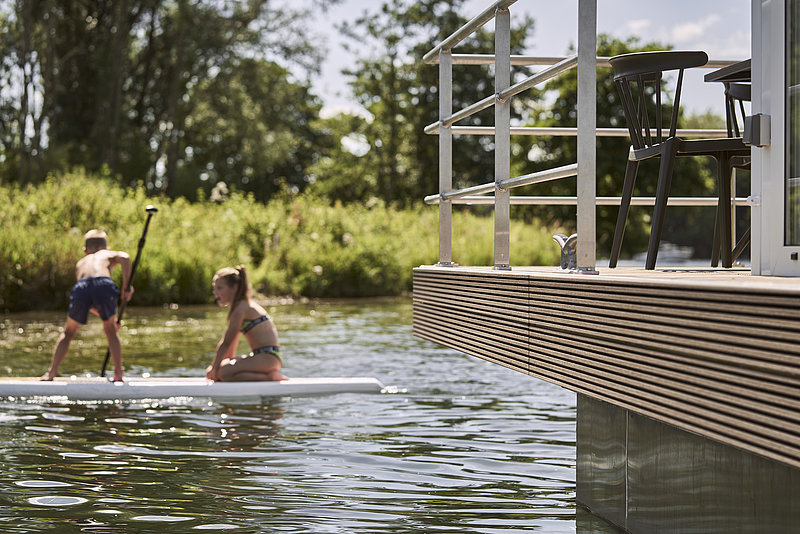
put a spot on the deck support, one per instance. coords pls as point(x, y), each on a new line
point(646, 476)
point(688, 413)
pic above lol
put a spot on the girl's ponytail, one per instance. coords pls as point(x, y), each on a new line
point(243, 291)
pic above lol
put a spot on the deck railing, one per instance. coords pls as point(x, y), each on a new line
point(586, 62)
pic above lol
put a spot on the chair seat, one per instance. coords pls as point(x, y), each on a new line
point(697, 147)
point(656, 62)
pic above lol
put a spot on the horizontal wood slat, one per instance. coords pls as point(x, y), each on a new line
point(718, 359)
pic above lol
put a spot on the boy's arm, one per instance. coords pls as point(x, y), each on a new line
point(124, 261)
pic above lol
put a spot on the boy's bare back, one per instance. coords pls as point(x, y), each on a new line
point(98, 263)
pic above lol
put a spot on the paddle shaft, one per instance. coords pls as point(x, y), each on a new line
point(150, 211)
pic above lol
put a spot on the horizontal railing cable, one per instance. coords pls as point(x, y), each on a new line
point(570, 131)
point(473, 200)
point(539, 77)
point(535, 79)
point(526, 61)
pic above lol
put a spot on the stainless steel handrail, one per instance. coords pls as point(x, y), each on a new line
point(466, 30)
point(519, 181)
point(463, 113)
point(539, 177)
point(586, 199)
point(586, 63)
point(539, 77)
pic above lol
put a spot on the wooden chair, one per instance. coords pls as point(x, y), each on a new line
point(736, 94)
point(638, 78)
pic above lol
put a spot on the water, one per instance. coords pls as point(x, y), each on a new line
point(459, 445)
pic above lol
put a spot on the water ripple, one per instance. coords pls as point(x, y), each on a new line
point(458, 446)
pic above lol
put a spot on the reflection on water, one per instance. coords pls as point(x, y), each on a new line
point(464, 446)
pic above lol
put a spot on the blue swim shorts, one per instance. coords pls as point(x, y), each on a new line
point(100, 293)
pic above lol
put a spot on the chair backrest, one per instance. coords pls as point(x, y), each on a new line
point(633, 73)
point(736, 93)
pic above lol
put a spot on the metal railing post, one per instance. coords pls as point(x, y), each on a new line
point(445, 158)
point(502, 139)
point(587, 141)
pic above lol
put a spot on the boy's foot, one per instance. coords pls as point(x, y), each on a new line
point(46, 378)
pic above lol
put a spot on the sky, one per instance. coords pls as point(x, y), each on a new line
point(719, 27)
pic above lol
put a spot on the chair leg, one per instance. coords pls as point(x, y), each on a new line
point(716, 244)
point(724, 172)
point(624, 208)
point(741, 245)
point(668, 152)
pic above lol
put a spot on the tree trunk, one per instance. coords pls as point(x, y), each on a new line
point(117, 62)
point(174, 115)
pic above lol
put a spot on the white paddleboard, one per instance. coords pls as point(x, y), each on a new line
point(98, 388)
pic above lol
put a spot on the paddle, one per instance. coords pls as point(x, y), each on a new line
point(150, 211)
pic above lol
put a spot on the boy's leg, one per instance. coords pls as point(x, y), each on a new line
point(62, 346)
point(114, 345)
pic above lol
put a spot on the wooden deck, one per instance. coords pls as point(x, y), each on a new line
point(711, 351)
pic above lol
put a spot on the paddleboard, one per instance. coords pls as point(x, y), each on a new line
point(98, 388)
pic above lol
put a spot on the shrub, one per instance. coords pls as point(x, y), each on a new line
point(293, 245)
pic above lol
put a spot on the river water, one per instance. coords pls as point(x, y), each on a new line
point(455, 444)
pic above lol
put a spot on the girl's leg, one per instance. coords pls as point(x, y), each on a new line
point(251, 368)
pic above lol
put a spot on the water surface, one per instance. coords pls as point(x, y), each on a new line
point(456, 445)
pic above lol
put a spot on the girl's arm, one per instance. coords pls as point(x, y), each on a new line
point(226, 347)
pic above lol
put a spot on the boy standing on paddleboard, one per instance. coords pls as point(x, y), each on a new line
point(95, 292)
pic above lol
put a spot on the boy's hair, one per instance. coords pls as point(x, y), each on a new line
point(95, 240)
point(235, 277)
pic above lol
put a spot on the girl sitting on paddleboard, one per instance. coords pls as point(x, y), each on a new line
point(231, 288)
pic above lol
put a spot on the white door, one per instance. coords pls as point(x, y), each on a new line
point(775, 191)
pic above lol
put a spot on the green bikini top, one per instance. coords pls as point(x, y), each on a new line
point(248, 325)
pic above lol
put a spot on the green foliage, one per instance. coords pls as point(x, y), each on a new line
point(295, 244)
point(400, 94)
point(248, 128)
point(164, 91)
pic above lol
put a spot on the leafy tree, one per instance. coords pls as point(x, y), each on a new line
point(342, 173)
point(400, 94)
point(116, 83)
point(189, 46)
point(249, 128)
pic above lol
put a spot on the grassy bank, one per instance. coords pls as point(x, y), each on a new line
point(294, 245)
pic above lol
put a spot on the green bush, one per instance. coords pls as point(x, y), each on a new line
point(293, 245)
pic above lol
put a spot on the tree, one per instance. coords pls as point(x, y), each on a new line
point(400, 95)
point(112, 83)
point(250, 128)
